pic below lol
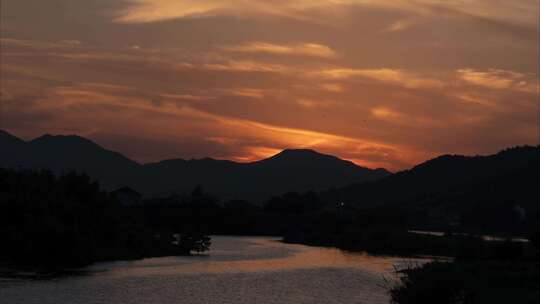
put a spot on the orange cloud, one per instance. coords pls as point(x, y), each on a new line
point(143, 11)
point(500, 79)
point(385, 113)
point(332, 87)
point(313, 103)
point(186, 97)
point(247, 66)
point(34, 44)
point(155, 10)
point(390, 76)
point(399, 26)
point(247, 92)
point(307, 49)
point(475, 100)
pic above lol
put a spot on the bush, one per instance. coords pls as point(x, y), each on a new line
point(478, 282)
point(436, 282)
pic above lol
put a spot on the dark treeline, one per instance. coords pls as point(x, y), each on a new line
point(306, 218)
point(482, 272)
point(468, 282)
point(506, 203)
point(50, 222)
point(68, 220)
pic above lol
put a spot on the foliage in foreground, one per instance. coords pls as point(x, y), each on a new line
point(468, 283)
point(50, 222)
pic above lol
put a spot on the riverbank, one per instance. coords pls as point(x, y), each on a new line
point(480, 271)
point(237, 270)
point(466, 282)
point(51, 224)
point(400, 242)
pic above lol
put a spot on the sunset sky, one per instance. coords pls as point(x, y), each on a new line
point(384, 83)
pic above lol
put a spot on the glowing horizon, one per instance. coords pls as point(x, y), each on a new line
point(381, 83)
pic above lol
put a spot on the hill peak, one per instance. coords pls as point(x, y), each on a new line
point(67, 139)
point(6, 136)
point(518, 153)
point(300, 153)
point(296, 170)
point(306, 157)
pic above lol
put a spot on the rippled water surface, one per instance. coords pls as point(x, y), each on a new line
point(254, 270)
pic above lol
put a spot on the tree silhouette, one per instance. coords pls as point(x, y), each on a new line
point(49, 222)
point(194, 242)
point(197, 191)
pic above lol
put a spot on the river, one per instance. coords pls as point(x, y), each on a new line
point(250, 270)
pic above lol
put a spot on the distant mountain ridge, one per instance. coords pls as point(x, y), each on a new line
point(438, 177)
point(290, 170)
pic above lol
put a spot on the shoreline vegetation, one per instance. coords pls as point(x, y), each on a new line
point(52, 224)
point(472, 270)
point(468, 282)
point(466, 269)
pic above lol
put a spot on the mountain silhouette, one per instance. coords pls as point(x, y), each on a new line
point(62, 154)
point(11, 149)
point(435, 179)
point(290, 170)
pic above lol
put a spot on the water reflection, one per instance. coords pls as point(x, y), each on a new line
point(251, 255)
point(237, 270)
